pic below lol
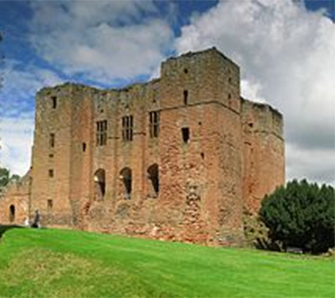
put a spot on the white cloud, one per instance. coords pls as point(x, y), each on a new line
point(16, 142)
point(17, 112)
point(100, 40)
point(287, 57)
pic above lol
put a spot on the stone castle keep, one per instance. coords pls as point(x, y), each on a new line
point(178, 158)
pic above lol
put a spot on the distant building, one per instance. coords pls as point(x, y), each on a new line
point(178, 158)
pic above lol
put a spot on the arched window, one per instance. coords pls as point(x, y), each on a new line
point(125, 176)
point(99, 184)
point(11, 213)
point(153, 176)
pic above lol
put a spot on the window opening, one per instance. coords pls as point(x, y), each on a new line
point(153, 175)
point(11, 213)
point(127, 128)
point(51, 173)
point(186, 134)
point(52, 140)
point(154, 124)
point(49, 205)
point(101, 136)
point(54, 102)
point(185, 70)
point(84, 147)
point(185, 97)
point(126, 179)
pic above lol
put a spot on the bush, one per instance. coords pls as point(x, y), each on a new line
point(301, 215)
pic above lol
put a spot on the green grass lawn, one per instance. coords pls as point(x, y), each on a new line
point(63, 263)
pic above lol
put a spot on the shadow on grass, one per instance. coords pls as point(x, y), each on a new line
point(5, 228)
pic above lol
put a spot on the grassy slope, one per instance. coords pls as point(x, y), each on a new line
point(58, 263)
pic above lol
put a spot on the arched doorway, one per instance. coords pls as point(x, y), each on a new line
point(99, 184)
point(153, 176)
point(11, 213)
point(126, 178)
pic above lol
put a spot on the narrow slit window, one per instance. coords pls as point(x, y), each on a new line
point(127, 128)
point(54, 102)
point(154, 124)
point(101, 134)
point(185, 97)
point(185, 131)
point(84, 147)
point(51, 173)
point(52, 140)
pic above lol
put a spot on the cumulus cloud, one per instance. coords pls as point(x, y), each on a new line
point(287, 57)
point(100, 40)
point(17, 112)
point(16, 142)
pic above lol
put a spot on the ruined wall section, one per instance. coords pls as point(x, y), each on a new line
point(263, 151)
point(52, 156)
point(14, 201)
point(117, 211)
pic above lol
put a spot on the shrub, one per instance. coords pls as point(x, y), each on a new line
point(301, 215)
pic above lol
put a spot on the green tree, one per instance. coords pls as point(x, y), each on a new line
point(4, 177)
point(301, 215)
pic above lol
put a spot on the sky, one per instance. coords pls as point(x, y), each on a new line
point(285, 49)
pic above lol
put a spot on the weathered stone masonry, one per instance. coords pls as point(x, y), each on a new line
point(177, 158)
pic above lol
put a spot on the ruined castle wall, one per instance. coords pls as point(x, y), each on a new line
point(14, 201)
point(263, 150)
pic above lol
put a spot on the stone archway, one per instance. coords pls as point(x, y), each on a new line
point(153, 176)
point(11, 213)
point(99, 184)
point(126, 178)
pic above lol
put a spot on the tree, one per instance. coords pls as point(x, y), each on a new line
point(301, 215)
point(6, 177)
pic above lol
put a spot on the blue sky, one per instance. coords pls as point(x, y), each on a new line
point(286, 50)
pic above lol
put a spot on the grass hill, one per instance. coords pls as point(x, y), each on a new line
point(64, 263)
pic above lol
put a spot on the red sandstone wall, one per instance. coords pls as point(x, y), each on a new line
point(58, 158)
point(263, 149)
point(16, 194)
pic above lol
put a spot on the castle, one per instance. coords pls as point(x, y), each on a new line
point(178, 158)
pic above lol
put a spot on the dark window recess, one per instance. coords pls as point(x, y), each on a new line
point(185, 131)
point(54, 102)
point(49, 205)
point(51, 173)
point(251, 125)
point(101, 136)
point(52, 140)
point(185, 97)
point(202, 155)
point(127, 128)
point(154, 124)
point(51, 155)
point(185, 70)
point(84, 147)
point(229, 80)
point(229, 96)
